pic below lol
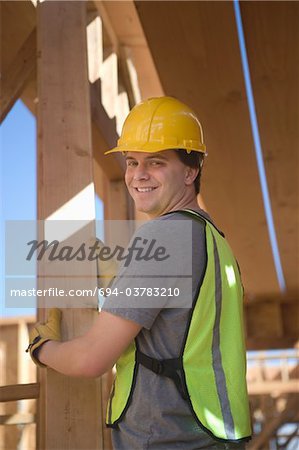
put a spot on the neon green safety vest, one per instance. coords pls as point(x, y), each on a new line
point(211, 371)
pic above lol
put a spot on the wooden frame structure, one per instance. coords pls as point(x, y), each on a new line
point(79, 68)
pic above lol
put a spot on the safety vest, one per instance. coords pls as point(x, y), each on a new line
point(210, 372)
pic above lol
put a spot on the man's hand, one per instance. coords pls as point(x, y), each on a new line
point(41, 333)
point(106, 269)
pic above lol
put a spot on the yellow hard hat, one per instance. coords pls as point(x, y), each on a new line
point(160, 123)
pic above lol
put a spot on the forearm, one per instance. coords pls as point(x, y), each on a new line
point(68, 358)
point(90, 355)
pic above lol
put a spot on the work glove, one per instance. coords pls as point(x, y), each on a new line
point(41, 333)
point(106, 270)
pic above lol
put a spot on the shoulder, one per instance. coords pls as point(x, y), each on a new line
point(168, 226)
point(175, 216)
point(174, 224)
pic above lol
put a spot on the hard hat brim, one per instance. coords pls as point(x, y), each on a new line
point(153, 148)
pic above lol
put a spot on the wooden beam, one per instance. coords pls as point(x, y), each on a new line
point(117, 207)
point(273, 387)
point(129, 42)
point(199, 63)
point(264, 320)
point(272, 343)
point(15, 77)
point(104, 134)
point(290, 437)
point(94, 48)
point(69, 408)
point(2, 382)
point(7, 321)
point(259, 441)
point(288, 298)
point(118, 204)
point(272, 40)
point(272, 321)
point(18, 19)
point(17, 419)
point(104, 137)
point(16, 392)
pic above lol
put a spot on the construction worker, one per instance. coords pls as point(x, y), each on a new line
point(180, 379)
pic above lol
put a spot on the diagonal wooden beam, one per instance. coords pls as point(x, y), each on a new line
point(15, 392)
point(15, 77)
point(17, 419)
point(259, 442)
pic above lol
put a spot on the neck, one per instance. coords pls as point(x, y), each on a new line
point(190, 203)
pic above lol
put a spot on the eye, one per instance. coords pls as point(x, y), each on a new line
point(156, 163)
point(131, 163)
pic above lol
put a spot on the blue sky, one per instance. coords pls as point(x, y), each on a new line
point(18, 182)
point(18, 179)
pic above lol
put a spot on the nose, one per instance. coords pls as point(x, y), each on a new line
point(140, 173)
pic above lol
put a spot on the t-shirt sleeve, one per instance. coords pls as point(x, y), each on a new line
point(150, 277)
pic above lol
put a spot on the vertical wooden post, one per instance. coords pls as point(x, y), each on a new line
point(3, 359)
point(69, 409)
point(117, 206)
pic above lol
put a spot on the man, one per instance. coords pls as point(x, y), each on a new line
point(180, 367)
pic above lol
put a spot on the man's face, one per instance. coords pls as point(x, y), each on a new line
point(157, 181)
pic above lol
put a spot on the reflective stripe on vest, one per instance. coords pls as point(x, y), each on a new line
point(212, 359)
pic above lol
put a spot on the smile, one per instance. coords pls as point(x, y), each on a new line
point(145, 189)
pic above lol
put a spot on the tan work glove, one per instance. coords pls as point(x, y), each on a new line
point(106, 270)
point(41, 333)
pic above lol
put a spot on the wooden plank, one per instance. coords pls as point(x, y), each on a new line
point(11, 393)
point(127, 37)
point(14, 79)
point(13, 37)
point(2, 382)
point(272, 343)
point(272, 320)
point(264, 320)
point(18, 19)
point(289, 298)
point(94, 48)
point(199, 63)
point(117, 202)
point(17, 419)
point(7, 321)
point(69, 409)
point(98, 179)
point(274, 387)
point(117, 207)
point(104, 137)
point(9, 337)
point(29, 94)
point(259, 442)
point(272, 39)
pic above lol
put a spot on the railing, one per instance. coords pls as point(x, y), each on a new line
point(273, 373)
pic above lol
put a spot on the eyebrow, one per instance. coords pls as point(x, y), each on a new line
point(155, 155)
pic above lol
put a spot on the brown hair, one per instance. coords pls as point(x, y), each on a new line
point(194, 160)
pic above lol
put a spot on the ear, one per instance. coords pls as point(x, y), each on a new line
point(190, 175)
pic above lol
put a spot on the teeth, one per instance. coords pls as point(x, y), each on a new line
point(149, 189)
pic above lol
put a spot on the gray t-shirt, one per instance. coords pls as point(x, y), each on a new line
point(158, 418)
